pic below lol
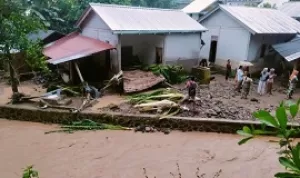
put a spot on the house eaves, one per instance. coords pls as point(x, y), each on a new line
point(139, 20)
point(260, 20)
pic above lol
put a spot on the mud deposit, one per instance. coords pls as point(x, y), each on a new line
point(124, 154)
point(220, 100)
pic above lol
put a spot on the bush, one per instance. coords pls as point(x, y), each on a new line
point(290, 151)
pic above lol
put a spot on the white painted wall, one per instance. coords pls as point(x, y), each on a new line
point(183, 49)
point(233, 39)
point(258, 40)
point(95, 27)
point(144, 46)
point(184, 46)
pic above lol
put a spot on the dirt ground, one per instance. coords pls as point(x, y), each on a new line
point(124, 154)
point(217, 101)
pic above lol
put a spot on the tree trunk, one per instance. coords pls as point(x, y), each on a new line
point(13, 80)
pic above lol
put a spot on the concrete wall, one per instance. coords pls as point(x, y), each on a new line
point(95, 27)
point(183, 49)
point(257, 41)
point(144, 46)
point(233, 39)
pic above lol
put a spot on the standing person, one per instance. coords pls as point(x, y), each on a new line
point(239, 75)
point(246, 86)
point(191, 85)
point(262, 81)
point(292, 83)
point(228, 69)
point(270, 81)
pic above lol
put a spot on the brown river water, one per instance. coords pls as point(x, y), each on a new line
point(124, 154)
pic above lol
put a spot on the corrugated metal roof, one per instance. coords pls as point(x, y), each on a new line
point(263, 20)
point(289, 50)
point(74, 46)
point(127, 19)
point(291, 8)
point(198, 6)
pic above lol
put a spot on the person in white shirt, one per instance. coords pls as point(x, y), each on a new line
point(240, 75)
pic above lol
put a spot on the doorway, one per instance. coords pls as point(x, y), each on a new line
point(126, 56)
point(158, 55)
point(213, 51)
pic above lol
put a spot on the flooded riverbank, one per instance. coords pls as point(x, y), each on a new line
point(124, 154)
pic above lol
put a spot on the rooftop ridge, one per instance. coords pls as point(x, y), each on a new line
point(132, 7)
point(246, 7)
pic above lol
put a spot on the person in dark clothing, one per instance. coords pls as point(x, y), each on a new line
point(228, 69)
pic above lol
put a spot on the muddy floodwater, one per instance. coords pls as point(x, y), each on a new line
point(124, 154)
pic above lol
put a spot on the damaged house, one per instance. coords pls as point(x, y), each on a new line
point(245, 33)
point(145, 35)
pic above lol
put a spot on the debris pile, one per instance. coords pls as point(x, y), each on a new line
point(163, 101)
point(211, 102)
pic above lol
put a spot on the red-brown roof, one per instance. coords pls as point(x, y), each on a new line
point(74, 46)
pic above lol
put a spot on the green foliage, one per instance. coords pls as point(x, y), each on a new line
point(173, 74)
point(87, 124)
point(268, 5)
point(35, 58)
point(290, 152)
point(29, 172)
point(16, 24)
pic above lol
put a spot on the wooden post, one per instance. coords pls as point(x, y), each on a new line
point(119, 53)
point(78, 71)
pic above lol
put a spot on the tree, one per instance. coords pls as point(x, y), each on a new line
point(16, 24)
point(69, 11)
point(278, 126)
point(268, 5)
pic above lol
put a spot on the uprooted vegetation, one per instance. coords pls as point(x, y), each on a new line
point(87, 124)
point(172, 73)
point(163, 101)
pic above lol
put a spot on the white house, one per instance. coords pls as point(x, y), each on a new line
point(244, 33)
point(292, 9)
point(152, 35)
point(197, 8)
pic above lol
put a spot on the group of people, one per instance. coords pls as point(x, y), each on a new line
point(243, 81)
point(266, 81)
point(242, 78)
point(265, 84)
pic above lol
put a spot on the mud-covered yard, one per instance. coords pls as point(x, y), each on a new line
point(219, 100)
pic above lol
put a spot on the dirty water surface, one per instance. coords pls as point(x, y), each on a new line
point(124, 154)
